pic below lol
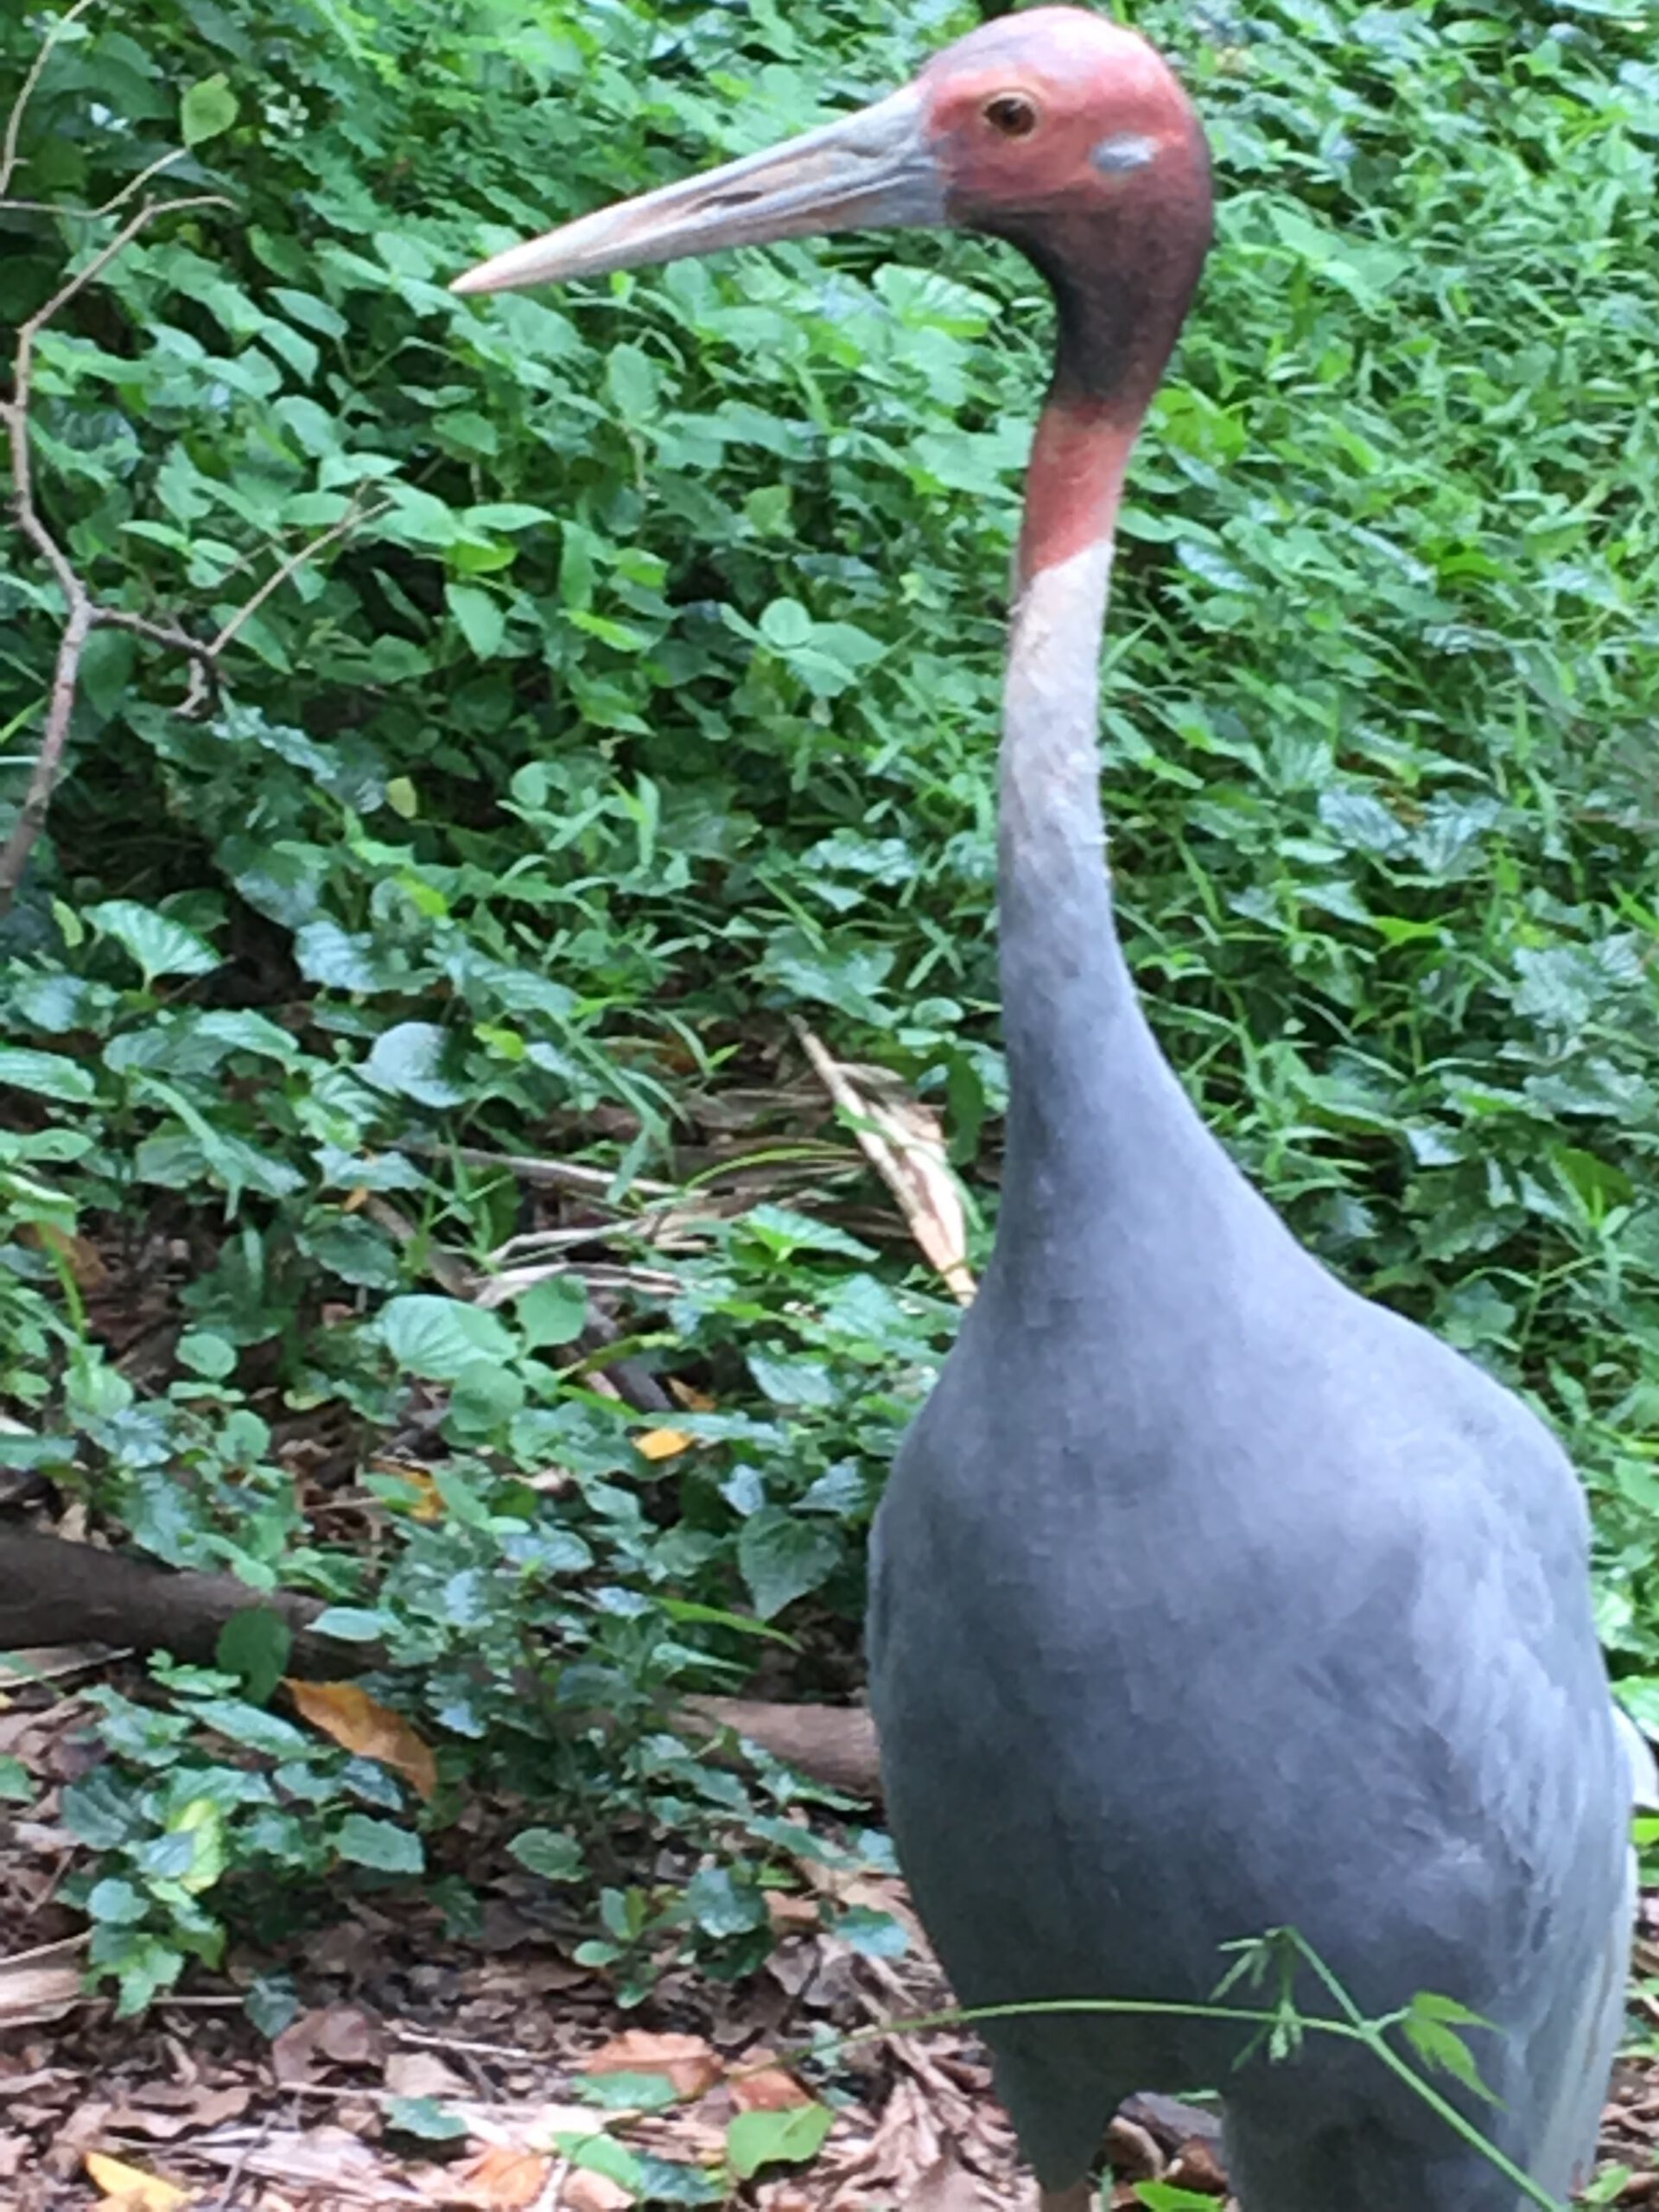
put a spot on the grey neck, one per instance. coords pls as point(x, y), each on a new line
point(1077, 1044)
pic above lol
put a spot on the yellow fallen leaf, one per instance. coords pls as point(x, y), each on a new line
point(372, 1731)
point(426, 1503)
point(694, 1400)
point(662, 1443)
point(127, 2190)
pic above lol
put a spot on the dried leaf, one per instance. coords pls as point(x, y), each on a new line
point(500, 2179)
point(761, 2085)
point(40, 1985)
point(586, 2191)
point(81, 1258)
point(947, 2186)
point(372, 1731)
point(904, 1143)
point(786, 1911)
point(690, 2064)
point(164, 2110)
point(695, 1402)
point(423, 2074)
point(342, 2032)
point(662, 1443)
point(127, 2190)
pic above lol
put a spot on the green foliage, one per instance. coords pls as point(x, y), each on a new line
point(647, 693)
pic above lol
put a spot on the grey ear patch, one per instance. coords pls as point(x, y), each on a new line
point(1124, 150)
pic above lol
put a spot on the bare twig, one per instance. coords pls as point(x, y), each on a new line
point(525, 1167)
point(15, 120)
point(206, 656)
point(116, 200)
point(42, 779)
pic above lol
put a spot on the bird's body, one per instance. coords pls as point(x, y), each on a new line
point(1208, 1599)
point(1238, 1614)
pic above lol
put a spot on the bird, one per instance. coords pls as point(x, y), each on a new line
point(1207, 1597)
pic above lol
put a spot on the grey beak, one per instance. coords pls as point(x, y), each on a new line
point(873, 170)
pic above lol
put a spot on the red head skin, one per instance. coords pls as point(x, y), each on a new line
point(1069, 137)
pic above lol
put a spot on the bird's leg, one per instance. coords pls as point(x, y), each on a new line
point(1077, 2198)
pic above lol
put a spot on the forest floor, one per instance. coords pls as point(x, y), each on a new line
point(513, 2043)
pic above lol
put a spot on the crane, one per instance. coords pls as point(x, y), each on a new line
point(1207, 1597)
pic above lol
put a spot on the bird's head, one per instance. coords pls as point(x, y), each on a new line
point(1054, 129)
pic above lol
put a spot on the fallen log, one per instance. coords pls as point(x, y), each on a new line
point(52, 1591)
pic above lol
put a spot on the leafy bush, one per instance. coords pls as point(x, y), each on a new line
point(643, 692)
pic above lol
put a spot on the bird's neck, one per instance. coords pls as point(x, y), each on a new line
point(1069, 1008)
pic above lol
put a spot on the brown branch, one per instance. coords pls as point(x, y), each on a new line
point(53, 1592)
point(15, 119)
point(43, 776)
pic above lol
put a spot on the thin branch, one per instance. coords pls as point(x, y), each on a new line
point(116, 200)
point(15, 120)
point(349, 521)
point(42, 779)
point(525, 1167)
point(100, 261)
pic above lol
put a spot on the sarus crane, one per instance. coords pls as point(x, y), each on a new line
point(1207, 1597)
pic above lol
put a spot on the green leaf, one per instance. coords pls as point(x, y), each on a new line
point(785, 624)
point(877, 1934)
point(482, 618)
point(789, 1382)
point(552, 1312)
point(1430, 2026)
point(789, 2138)
point(159, 946)
point(255, 1644)
point(117, 1904)
point(272, 2003)
point(554, 1854)
point(600, 2154)
point(207, 1354)
point(723, 1906)
point(440, 1337)
point(48, 1075)
point(634, 383)
point(242, 1723)
point(426, 2118)
point(206, 109)
point(783, 1558)
point(416, 1058)
point(351, 1623)
point(16, 1782)
point(625, 2092)
point(377, 1843)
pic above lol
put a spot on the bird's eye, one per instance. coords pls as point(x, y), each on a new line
point(1013, 114)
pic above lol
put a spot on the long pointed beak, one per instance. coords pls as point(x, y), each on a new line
point(873, 170)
